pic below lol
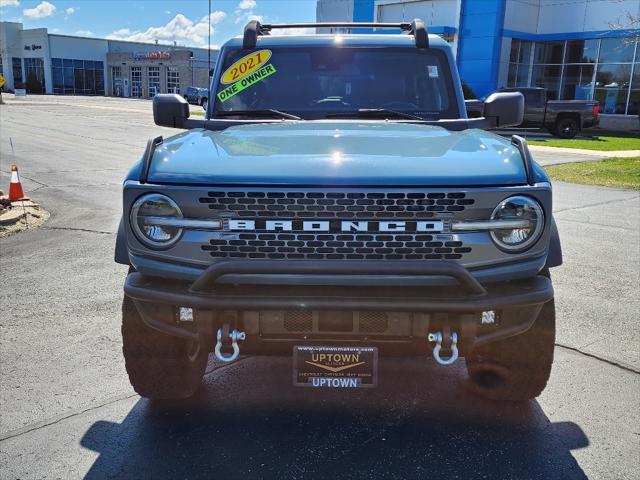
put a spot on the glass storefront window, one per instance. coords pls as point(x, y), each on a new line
point(590, 69)
point(612, 87)
point(77, 77)
point(520, 51)
point(519, 62)
point(634, 98)
point(34, 75)
point(582, 51)
point(577, 83)
point(16, 64)
point(616, 50)
point(525, 52)
point(549, 52)
point(547, 76)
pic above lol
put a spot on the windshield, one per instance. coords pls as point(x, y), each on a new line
point(322, 81)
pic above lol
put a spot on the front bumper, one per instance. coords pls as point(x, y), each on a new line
point(469, 297)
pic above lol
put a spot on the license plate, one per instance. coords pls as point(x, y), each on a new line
point(335, 367)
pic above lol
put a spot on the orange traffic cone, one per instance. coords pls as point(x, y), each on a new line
point(15, 186)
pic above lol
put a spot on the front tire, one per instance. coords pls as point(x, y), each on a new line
point(515, 369)
point(160, 366)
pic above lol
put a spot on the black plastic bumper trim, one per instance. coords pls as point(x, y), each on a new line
point(531, 292)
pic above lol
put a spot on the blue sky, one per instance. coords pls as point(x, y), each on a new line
point(184, 21)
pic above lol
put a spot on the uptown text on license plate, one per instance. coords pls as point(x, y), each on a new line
point(335, 367)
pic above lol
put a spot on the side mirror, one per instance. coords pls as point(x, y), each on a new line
point(170, 110)
point(505, 109)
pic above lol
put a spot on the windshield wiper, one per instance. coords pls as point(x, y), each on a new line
point(256, 113)
point(374, 113)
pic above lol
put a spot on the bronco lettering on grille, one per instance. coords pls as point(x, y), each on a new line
point(336, 226)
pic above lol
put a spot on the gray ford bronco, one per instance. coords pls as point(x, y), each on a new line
point(335, 204)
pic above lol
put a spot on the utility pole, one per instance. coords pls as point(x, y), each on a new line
point(209, 48)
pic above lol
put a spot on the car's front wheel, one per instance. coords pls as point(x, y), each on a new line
point(517, 368)
point(160, 366)
point(203, 103)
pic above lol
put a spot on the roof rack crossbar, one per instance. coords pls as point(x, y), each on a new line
point(254, 28)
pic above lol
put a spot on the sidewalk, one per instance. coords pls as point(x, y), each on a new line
point(584, 151)
point(547, 156)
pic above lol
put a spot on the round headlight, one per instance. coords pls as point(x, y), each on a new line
point(151, 219)
point(525, 220)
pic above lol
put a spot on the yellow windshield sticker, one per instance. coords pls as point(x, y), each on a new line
point(246, 82)
point(245, 66)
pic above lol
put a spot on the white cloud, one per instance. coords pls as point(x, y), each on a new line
point(244, 12)
point(9, 3)
point(84, 33)
point(70, 11)
point(44, 9)
point(247, 4)
point(179, 29)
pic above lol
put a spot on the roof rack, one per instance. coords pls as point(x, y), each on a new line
point(253, 29)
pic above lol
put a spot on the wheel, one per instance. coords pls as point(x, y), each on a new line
point(566, 127)
point(160, 366)
point(517, 368)
point(203, 103)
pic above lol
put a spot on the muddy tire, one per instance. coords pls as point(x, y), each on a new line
point(160, 366)
point(518, 368)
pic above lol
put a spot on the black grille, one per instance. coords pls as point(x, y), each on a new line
point(340, 246)
point(298, 321)
point(360, 205)
point(373, 322)
point(369, 322)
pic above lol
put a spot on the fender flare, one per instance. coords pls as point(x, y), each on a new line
point(554, 257)
point(121, 254)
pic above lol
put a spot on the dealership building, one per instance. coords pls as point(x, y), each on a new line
point(41, 62)
point(577, 49)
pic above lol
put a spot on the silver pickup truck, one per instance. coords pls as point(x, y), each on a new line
point(336, 205)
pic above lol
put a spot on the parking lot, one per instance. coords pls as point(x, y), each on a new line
point(67, 410)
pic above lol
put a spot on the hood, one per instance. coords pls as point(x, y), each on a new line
point(337, 153)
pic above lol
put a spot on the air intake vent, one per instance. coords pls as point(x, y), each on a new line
point(298, 321)
point(373, 322)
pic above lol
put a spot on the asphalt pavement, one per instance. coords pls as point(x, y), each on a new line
point(68, 411)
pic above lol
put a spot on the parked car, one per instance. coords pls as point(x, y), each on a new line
point(562, 118)
point(363, 214)
point(196, 96)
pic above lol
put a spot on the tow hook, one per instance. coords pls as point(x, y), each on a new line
point(234, 336)
point(438, 337)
